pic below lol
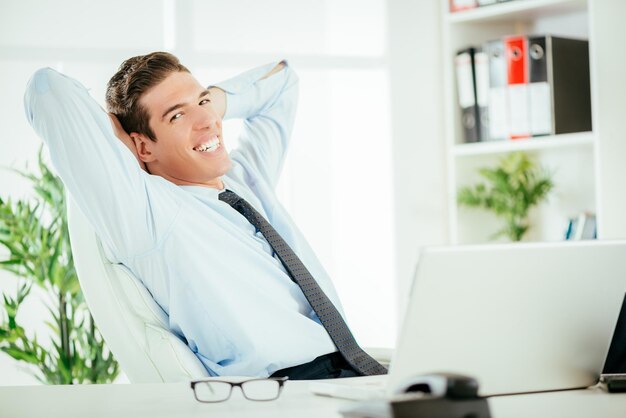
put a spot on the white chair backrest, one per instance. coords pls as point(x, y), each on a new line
point(133, 325)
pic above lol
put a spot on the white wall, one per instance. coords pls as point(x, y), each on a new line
point(608, 61)
point(368, 127)
point(419, 172)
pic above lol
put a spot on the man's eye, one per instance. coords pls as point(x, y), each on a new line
point(205, 101)
point(176, 116)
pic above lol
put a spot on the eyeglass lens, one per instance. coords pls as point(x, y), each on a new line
point(261, 390)
point(212, 391)
point(255, 390)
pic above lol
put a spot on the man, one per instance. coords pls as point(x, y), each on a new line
point(176, 218)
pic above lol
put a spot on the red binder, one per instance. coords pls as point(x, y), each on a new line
point(516, 51)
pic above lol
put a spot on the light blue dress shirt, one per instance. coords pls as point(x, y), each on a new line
point(225, 292)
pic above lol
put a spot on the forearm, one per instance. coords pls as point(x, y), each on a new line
point(218, 96)
point(257, 91)
point(266, 97)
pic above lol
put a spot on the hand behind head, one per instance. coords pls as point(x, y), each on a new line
point(123, 136)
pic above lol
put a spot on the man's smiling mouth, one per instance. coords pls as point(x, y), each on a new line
point(211, 145)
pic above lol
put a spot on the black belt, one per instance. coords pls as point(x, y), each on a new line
point(328, 366)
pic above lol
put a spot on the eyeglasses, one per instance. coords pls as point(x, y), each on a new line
point(254, 389)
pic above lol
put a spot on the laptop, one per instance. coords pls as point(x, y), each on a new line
point(614, 371)
point(517, 317)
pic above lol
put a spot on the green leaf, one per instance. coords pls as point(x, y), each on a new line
point(19, 354)
point(10, 262)
point(34, 232)
point(510, 190)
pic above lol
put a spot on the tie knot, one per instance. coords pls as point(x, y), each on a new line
point(229, 197)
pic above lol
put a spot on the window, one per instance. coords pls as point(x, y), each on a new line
point(337, 182)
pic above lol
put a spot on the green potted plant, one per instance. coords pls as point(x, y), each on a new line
point(511, 189)
point(35, 234)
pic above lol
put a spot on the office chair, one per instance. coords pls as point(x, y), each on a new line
point(134, 327)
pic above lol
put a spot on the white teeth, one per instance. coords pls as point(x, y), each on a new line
point(209, 146)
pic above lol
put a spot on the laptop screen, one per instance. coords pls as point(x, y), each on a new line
point(616, 358)
point(517, 317)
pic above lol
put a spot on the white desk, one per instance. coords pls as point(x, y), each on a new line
point(176, 400)
point(171, 400)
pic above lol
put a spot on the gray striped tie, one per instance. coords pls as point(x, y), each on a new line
point(327, 312)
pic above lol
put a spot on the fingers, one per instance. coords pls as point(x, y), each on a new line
point(123, 136)
point(276, 69)
point(118, 130)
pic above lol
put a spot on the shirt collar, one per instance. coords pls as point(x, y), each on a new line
point(206, 192)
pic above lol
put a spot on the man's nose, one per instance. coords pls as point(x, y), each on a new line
point(204, 118)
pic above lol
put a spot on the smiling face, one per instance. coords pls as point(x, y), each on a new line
point(188, 148)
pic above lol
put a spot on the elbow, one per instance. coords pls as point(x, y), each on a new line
point(47, 87)
point(38, 84)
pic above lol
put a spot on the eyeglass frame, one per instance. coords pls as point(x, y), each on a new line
point(280, 380)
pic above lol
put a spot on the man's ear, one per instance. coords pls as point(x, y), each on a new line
point(144, 147)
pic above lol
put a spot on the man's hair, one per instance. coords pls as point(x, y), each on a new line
point(135, 77)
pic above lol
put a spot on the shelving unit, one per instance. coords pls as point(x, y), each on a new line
point(517, 10)
point(586, 165)
point(580, 139)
